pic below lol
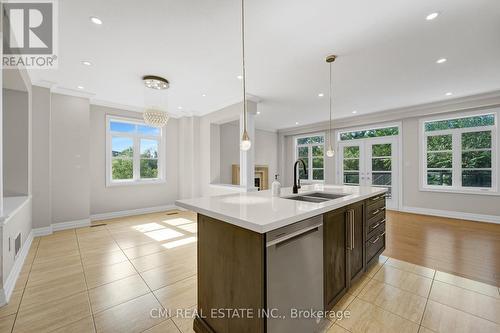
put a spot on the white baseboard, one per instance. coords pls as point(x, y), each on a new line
point(131, 212)
point(452, 214)
point(10, 283)
point(60, 226)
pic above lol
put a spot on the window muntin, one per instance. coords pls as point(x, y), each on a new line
point(369, 133)
point(459, 154)
point(134, 152)
point(311, 149)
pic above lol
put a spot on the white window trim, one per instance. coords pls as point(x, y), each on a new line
point(457, 153)
point(310, 167)
point(136, 159)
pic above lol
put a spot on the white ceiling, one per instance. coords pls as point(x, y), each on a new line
point(387, 53)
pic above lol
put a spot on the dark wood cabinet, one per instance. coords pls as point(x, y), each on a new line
point(336, 280)
point(355, 219)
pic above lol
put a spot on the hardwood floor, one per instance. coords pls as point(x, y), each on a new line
point(465, 248)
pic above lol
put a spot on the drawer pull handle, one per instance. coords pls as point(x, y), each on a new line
point(378, 238)
point(376, 212)
point(375, 226)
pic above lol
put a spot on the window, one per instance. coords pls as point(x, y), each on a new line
point(459, 154)
point(311, 149)
point(369, 133)
point(133, 153)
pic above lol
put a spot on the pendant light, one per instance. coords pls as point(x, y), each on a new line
point(245, 139)
point(154, 115)
point(330, 152)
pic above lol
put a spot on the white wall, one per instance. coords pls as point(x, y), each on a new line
point(266, 150)
point(70, 158)
point(120, 198)
point(41, 157)
point(15, 142)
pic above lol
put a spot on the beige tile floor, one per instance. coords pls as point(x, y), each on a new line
point(108, 279)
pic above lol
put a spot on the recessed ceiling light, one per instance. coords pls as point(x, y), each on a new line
point(354, 112)
point(240, 77)
point(321, 95)
point(296, 123)
point(81, 87)
point(203, 95)
point(179, 107)
point(95, 20)
point(449, 93)
point(258, 112)
point(432, 16)
point(86, 63)
point(441, 61)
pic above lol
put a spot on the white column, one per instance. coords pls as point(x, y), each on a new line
point(247, 158)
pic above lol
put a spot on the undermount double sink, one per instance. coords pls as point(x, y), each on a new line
point(316, 197)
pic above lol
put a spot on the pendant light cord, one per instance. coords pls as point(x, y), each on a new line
point(330, 105)
point(243, 63)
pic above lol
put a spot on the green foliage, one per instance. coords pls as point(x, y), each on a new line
point(476, 121)
point(317, 151)
point(149, 168)
point(318, 174)
point(122, 168)
point(476, 140)
point(439, 160)
point(439, 142)
point(311, 139)
point(351, 152)
point(372, 133)
point(303, 152)
point(381, 164)
point(476, 159)
point(150, 153)
point(351, 164)
point(318, 162)
point(439, 177)
point(381, 150)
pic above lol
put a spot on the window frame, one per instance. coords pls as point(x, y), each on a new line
point(136, 139)
point(310, 179)
point(457, 168)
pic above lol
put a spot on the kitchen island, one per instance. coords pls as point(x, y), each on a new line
point(266, 263)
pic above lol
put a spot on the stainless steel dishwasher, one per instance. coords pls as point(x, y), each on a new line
point(295, 276)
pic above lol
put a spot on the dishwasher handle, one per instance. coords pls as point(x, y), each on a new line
point(294, 235)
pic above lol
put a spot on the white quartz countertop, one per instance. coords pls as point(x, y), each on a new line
point(261, 212)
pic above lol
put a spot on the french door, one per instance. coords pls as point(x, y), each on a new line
point(371, 162)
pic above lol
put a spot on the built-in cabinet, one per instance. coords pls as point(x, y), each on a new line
point(354, 237)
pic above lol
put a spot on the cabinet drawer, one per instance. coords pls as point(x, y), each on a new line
point(375, 208)
point(376, 200)
point(374, 245)
point(374, 219)
point(375, 229)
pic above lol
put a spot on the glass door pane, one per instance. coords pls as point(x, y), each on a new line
point(351, 165)
point(381, 166)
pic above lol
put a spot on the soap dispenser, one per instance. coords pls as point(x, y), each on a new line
point(276, 187)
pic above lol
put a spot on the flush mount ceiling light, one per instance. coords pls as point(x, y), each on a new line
point(95, 20)
point(245, 138)
point(155, 82)
point(330, 59)
point(441, 61)
point(153, 116)
point(432, 16)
